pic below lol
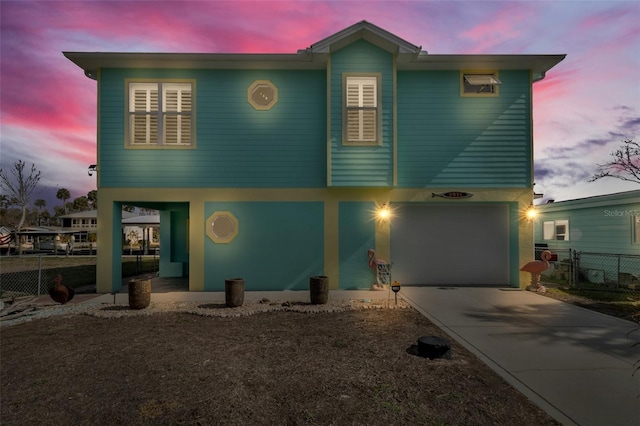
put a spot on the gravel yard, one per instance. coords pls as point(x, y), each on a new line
point(348, 362)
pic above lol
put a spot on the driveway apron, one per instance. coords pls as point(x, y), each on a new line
point(574, 363)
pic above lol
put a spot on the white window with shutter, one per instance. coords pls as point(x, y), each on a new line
point(361, 110)
point(160, 114)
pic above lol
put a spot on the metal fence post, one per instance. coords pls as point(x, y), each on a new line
point(576, 271)
point(618, 274)
point(571, 269)
point(39, 273)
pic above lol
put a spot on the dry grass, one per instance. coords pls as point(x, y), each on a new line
point(271, 368)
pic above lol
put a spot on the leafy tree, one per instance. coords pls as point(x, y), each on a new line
point(45, 218)
point(63, 194)
point(20, 184)
point(40, 204)
point(625, 164)
point(57, 212)
point(81, 204)
point(92, 196)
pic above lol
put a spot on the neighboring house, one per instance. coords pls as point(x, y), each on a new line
point(272, 167)
point(86, 222)
point(601, 224)
point(143, 229)
point(597, 226)
point(42, 238)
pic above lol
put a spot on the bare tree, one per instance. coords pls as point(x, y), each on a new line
point(19, 186)
point(625, 164)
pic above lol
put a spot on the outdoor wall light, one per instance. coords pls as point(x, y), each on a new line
point(531, 212)
point(383, 212)
point(93, 168)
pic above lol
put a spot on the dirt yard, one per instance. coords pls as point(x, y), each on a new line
point(353, 367)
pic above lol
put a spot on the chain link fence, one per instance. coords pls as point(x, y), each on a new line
point(22, 275)
point(33, 275)
point(607, 271)
point(561, 267)
point(595, 271)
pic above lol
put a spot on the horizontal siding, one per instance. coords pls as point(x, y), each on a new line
point(446, 140)
point(594, 229)
point(279, 256)
point(362, 166)
point(237, 146)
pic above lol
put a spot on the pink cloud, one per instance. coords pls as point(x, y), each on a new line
point(603, 19)
point(49, 107)
point(504, 26)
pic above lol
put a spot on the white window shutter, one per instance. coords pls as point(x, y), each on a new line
point(177, 117)
point(144, 113)
point(362, 109)
point(160, 113)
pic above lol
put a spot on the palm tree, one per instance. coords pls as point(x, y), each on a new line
point(63, 194)
point(40, 203)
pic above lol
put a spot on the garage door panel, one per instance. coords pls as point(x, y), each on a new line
point(451, 244)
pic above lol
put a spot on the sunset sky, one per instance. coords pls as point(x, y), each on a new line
point(583, 110)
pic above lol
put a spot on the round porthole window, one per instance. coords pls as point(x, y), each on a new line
point(222, 227)
point(262, 94)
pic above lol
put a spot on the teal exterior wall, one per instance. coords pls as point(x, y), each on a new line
point(356, 236)
point(447, 140)
point(237, 145)
point(443, 139)
point(279, 246)
point(174, 219)
point(602, 224)
point(362, 166)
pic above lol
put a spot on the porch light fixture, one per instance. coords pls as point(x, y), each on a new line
point(93, 168)
point(383, 212)
point(531, 212)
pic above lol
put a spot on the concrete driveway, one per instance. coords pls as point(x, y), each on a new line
point(574, 363)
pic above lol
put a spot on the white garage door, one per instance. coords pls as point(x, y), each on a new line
point(464, 244)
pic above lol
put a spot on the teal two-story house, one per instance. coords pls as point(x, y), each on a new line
point(279, 167)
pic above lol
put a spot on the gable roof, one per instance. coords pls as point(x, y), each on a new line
point(364, 30)
point(408, 57)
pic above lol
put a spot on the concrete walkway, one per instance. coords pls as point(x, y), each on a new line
point(574, 363)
